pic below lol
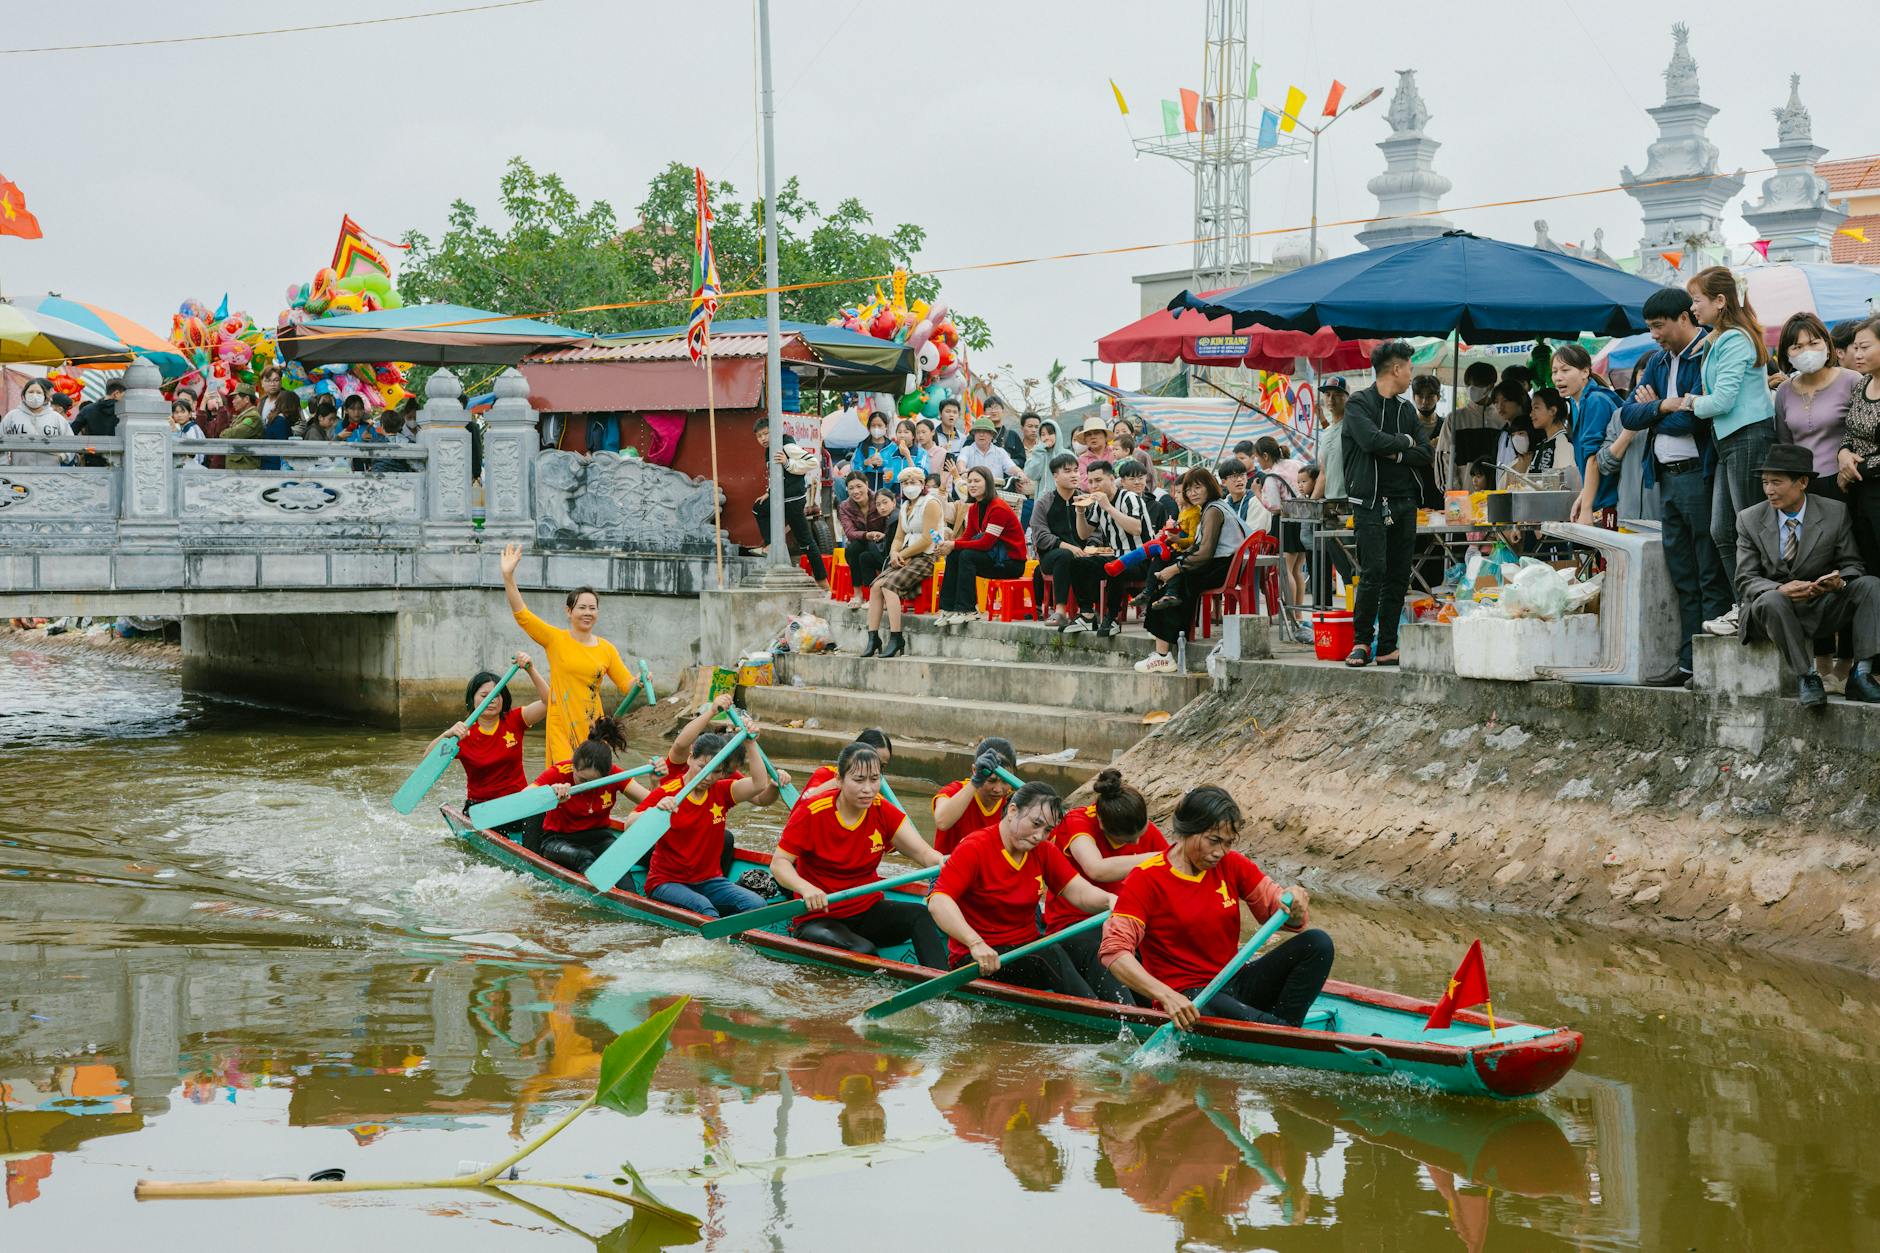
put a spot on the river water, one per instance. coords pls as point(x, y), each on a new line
point(222, 954)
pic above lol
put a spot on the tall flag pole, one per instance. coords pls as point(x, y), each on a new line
point(698, 340)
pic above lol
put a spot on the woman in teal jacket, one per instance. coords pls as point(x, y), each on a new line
point(1737, 401)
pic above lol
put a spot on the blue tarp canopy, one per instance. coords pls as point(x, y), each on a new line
point(425, 335)
point(1485, 290)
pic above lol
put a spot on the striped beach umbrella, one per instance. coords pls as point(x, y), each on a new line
point(95, 318)
point(28, 336)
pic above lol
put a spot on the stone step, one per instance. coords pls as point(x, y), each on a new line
point(1031, 728)
point(1093, 689)
point(1008, 641)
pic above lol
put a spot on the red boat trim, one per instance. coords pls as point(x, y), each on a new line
point(1517, 1068)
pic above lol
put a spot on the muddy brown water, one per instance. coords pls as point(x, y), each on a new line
point(223, 954)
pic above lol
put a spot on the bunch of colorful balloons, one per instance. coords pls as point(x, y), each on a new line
point(927, 329)
point(224, 349)
point(382, 383)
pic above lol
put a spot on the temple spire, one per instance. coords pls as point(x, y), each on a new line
point(1795, 214)
point(1409, 189)
point(1681, 192)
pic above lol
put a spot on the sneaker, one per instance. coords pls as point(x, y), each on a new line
point(1109, 628)
point(1076, 626)
point(1058, 618)
point(1156, 663)
point(1728, 624)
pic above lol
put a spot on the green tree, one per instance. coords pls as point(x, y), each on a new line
point(557, 254)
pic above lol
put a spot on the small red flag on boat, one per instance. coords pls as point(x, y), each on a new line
point(1468, 987)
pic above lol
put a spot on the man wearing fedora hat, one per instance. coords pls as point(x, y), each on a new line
point(983, 451)
point(1799, 576)
point(1094, 436)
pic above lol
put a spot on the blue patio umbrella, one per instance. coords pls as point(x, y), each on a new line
point(1486, 290)
point(425, 335)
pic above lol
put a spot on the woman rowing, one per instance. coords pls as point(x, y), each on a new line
point(583, 825)
point(836, 841)
point(577, 658)
point(823, 780)
point(490, 749)
point(1177, 924)
point(986, 898)
point(687, 867)
point(977, 801)
point(1105, 841)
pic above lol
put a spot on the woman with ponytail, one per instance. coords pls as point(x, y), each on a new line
point(578, 830)
point(1105, 840)
point(1737, 401)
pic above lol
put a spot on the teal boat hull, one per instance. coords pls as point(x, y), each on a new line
point(1369, 1033)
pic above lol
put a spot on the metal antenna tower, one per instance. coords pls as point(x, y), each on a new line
point(1222, 152)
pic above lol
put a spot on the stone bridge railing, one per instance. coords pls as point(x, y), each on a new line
point(152, 495)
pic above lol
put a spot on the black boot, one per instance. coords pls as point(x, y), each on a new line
point(874, 644)
point(896, 645)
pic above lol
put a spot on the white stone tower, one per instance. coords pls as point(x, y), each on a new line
point(1409, 184)
point(1794, 214)
point(1680, 191)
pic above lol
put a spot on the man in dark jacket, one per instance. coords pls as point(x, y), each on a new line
point(1053, 537)
point(1383, 446)
point(1680, 457)
point(99, 419)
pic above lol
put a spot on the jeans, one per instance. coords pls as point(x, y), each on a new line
point(1691, 555)
point(797, 521)
point(1737, 484)
point(959, 586)
point(1387, 538)
point(882, 925)
point(1279, 985)
point(714, 897)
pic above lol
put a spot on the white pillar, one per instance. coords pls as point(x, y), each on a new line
point(510, 442)
point(147, 504)
point(443, 430)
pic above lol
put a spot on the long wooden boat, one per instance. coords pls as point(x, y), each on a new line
point(1352, 1030)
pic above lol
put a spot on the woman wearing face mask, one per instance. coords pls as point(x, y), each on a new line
point(35, 418)
point(910, 563)
point(1475, 428)
point(871, 455)
point(1600, 442)
point(1811, 405)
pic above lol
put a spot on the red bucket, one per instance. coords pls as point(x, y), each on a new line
point(1332, 635)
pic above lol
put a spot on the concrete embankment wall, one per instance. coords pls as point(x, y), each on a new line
point(1617, 805)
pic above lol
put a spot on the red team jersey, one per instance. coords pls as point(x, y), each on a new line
point(1191, 926)
point(999, 896)
point(833, 855)
point(1082, 824)
point(976, 817)
point(584, 811)
point(689, 852)
point(492, 763)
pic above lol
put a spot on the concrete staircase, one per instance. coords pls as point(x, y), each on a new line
point(1043, 691)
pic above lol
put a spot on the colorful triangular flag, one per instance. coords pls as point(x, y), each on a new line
point(1113, 386)
point(1332, 97)
point(1191, 101)
point(1171, 118)
point(1854, 232)
point(1122, 105)
point(1762, 248)
point(1269, 128)
point(1674, 259)
point(1253, 78)
point(1289, 115)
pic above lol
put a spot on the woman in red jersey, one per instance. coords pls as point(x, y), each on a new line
point(823, 781)
point(579, 829)
point(1177, 924)
point(986, 899)
point(976, 802)
point(835, 842)
point(1105, 840)
point(490, 750)
point(686, 866)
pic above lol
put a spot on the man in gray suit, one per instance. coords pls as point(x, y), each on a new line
point(1800, 576)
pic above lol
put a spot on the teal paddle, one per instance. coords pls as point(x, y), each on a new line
point(539, 799)
point(789, 791)
point(642, 686)
point(1249, 1152)
point(1228, 971)
point(438, 760)
point(637, 840)
point(970, 971)
point(736, 924)
point(887, 794)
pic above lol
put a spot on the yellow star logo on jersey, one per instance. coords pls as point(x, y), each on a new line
point(718, 813)
point(874, 841)
point(607, 798)
point(1227, 899)
point(509, 739)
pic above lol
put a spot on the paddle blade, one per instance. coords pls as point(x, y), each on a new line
point(425, 777)
point(628, 847)
point(913, 996)
point(750, 919)
point(1150, 1045)
point(504, 810)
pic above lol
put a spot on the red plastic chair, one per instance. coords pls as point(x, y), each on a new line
point(1236, 594)
point(1010, 600)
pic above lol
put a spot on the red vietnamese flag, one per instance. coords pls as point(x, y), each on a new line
point(1191, 100)
point(1332, 97)
point(1467, 987)
point(14, 219)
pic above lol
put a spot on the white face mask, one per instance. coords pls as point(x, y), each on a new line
point(1520, 442)
point(911, 490)
point(34, 400)
point(1808, 360)
point(1477, 395)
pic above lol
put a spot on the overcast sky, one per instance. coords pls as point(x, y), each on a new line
point(166, 172)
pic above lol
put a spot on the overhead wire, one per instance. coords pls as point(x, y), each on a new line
point(277, 30)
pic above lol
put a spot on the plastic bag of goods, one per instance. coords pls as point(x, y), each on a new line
point(1535, 590)
point(809, 633)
